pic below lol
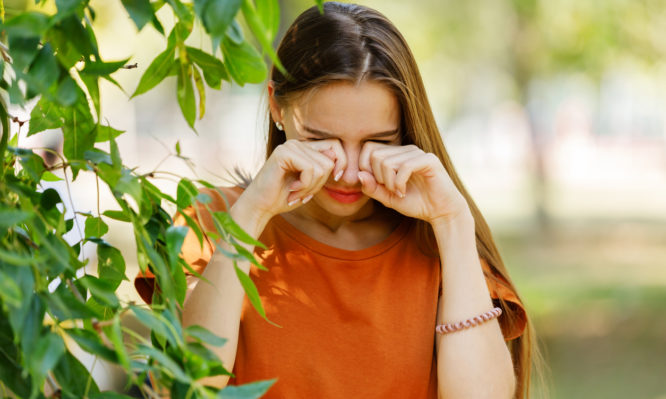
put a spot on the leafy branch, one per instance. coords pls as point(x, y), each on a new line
point(47, 295)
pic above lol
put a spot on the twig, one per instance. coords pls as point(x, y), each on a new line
point(131, 66)
point(15, 119)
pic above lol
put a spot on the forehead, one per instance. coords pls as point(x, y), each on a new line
point(344, 108)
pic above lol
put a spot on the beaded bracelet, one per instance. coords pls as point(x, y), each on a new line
point(474, 321)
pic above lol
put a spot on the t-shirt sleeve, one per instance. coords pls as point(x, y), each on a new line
point(192, 252)
point(505, 297)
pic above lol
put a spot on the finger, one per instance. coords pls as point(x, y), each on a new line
point(321, 167)
point(364, 162)
point(390, 166)
point(373, 189)
point(417, 164)
point(385, 164)
point(332, 148)
point(293, 160)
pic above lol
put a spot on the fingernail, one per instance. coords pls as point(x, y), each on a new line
point(400, 194)
point(360, 178)
point(306, 199)
point(338, 175)
point(293, 202)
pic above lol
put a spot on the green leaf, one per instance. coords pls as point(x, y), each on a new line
point(109, 395)
point(74, 379)
point(117, 215)
point(217, 15)
point(49, 199)
point(175, 235)
point(195, 227)
point(269, 14)
point(68, 6)
point(115, 334)
point(92, 84)
point(140, 11)
point(235, 33)
point(23, 50)
point(12, 374)
point(66, 53)
point(157, 323)
point(27, 24)
point(106, 133)
point(91, 343)
point(45, 115)
point(110, 265)
point(248, 391)
point(14, 258)
point(101, 290)
point(44, 70)
point(68, 92)
point(185, 93)
point(13, 217)
point(251, 291)
point(10, 292)
point(201, 90)
point(229, 225)
point(129, 184)
point(185, 192)
point(32, 163)
point(213, 69)
point(165, 362)
point(103, 68)
point(320, 5)
point(48, 176)
point(95, 227)
point(77, 36)
point(63, 305)
point(97, 156)
point(204, 335)
point(156, 72)
point(243, 62)
point(261, 32)
point(79, 131)
point(182, 12)
point(44, 356)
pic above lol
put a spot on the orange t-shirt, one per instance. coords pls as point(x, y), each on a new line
point(352, 323)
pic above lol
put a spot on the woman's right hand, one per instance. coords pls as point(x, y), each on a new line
point(294, 172)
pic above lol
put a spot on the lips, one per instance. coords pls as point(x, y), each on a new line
point(344, 196)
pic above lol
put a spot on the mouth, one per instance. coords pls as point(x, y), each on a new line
point(344, 196)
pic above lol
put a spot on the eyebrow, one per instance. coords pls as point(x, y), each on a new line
point(330, 135)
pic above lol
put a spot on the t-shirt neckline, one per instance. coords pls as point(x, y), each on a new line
point(329, 251)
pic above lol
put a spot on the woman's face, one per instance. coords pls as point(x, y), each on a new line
point(353, 115)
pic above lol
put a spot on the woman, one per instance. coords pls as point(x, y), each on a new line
point(374, 249)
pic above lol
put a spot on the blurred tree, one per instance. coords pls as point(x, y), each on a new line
point(526, 41)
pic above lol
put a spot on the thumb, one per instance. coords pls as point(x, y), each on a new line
point(372, 189)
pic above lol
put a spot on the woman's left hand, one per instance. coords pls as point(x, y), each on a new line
point(411, 181)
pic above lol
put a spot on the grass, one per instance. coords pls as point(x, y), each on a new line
point(597, 293)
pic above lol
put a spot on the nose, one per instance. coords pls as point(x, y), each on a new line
point(350, 176)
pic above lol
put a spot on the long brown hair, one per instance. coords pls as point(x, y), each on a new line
point(354, 43)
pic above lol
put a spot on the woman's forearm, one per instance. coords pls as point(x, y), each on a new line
point(475, 362)
point(217, 306)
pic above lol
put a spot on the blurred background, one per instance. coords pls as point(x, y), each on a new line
point(554, 112)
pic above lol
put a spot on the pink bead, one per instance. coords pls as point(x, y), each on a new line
point(471, 322)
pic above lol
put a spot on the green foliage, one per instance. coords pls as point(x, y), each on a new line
point(49, 293)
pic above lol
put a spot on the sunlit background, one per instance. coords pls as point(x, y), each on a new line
point(554, 112)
